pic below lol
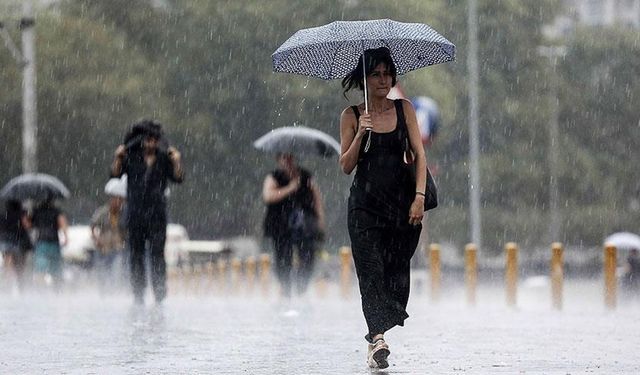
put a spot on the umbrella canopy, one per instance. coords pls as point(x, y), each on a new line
point(332, 51)
point(299, 141)
point(624, 240)
point(36, 186)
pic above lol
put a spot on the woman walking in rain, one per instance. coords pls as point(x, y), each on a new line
point(386, 204)
point(295, 217)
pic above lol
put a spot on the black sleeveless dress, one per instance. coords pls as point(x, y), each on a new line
point(382, 239)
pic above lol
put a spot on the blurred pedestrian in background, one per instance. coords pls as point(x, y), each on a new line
point(108, 233)
point(386, 204)
point(294, 218)
point(14, 241)
point(47, 220)
point(149, 164)
point(631, 276)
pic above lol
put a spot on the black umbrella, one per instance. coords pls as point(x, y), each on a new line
point(299, 141)
point(37, 186)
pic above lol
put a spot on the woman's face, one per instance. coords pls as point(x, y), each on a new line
point(150, 143)
point(379, 81)
point(286, 161)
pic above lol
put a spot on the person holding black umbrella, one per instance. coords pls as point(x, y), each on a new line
point(149, 164)
point(386, 204)
point(294, 218)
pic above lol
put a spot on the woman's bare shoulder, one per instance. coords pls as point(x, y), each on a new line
point(348, 111)
point(347, 116)
point(406, 104)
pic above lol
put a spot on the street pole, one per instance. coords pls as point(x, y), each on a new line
point(29, 99)
point(8, 42)
point(554, 133)
point(555, 219)
point(474, 137)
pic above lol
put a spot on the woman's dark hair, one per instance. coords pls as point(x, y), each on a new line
point(140, 130)
point(373, 57)
point(12, 205)
point(48, 203)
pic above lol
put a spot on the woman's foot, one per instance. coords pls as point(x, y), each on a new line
point(377, 354)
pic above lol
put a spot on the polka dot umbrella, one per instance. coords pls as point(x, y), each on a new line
point(332, 51)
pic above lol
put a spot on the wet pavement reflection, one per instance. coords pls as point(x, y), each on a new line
point(79, 332)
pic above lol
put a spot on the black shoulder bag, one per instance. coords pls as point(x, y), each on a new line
point(431, 193)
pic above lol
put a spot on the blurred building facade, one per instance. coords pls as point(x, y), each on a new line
point(605, 12)
point(595, 13)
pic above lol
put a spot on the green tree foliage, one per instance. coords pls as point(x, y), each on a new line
point(203, 68)
point(601, 124)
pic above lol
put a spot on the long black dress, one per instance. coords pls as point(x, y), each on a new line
point(382, 239)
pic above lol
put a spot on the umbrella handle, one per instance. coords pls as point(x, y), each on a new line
point(364, 79)
point(366, 101)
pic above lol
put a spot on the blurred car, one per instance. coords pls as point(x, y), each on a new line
point(201, 252)
point(174, 253)
point(79, 248)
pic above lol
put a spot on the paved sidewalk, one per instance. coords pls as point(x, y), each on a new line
point(78, 333)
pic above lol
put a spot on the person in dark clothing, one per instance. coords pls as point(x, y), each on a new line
point(631, 277)
point(47, 221)
point(14, 239)
point(386, 204)
point(149, 168)
point(295, 218)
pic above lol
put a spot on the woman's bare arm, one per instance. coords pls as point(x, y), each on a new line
point(271, 193)
point(318, 206)
point(62, 225)
point(351, 135)
point(416, 212)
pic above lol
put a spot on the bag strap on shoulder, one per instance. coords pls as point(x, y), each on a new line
point(400, 111)
point(403, 127)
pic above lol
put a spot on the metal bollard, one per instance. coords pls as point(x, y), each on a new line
point(610, 281)
point(186, 278)
point(345, 271)
point(322, 280)
point(434, 267)
point(557, 275)
point(236, 274)
point(221, 265)
point(196, 278)
point(511, 273)
point(471, 272)
point(250, 273)
point(172, 279)
point(265, 273)
point(211, 276)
